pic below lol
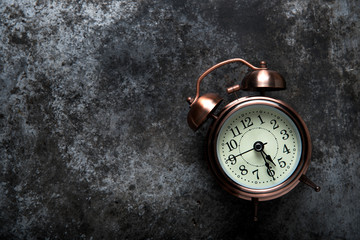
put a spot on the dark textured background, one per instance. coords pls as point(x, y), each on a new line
point(94, 139)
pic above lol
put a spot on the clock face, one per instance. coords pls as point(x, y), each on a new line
point(258, 146)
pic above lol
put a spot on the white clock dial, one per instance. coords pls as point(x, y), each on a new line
point(258, 146)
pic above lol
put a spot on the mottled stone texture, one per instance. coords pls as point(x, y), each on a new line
point(94, 139)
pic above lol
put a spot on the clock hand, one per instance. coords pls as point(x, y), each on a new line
point(234, 156)
point(268, 158)
point(267, 165)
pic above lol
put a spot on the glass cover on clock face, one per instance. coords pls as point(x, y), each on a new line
point(258, 146)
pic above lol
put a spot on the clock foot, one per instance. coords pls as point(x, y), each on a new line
point(308, 182)
point(256, 204)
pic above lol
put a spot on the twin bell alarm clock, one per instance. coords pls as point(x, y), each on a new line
point(258, 147)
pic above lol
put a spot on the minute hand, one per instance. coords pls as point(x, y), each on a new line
point(267, 166)
point(246, 152)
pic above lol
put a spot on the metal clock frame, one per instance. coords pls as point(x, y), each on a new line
point(249, 193)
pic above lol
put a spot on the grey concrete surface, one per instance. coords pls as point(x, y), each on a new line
point(94, 139)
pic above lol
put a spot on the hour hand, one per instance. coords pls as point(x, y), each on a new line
point(269, 158)
point(269, 171)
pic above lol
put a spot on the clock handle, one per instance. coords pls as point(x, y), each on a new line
point(191, 101)
point(308, 182)
point(201, 108)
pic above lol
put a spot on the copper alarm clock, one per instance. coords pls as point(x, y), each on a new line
point(259, 148)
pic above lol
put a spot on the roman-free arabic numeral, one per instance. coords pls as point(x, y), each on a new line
point(231, 159)
point(232, 144)
point(261, 121)
point(286, 135)
point(282, 163)
point(235, 131)
point(286, 149)
point(247, 122)
point(257, 173)
point(270, 172)
point(243, 170)
point(274, 123)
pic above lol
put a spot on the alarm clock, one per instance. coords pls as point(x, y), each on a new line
point(258, 148)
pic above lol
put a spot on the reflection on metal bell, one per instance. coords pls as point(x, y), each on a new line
point(201, 109)
point(260, 80)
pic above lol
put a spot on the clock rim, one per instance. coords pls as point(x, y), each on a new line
point(249, 193)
